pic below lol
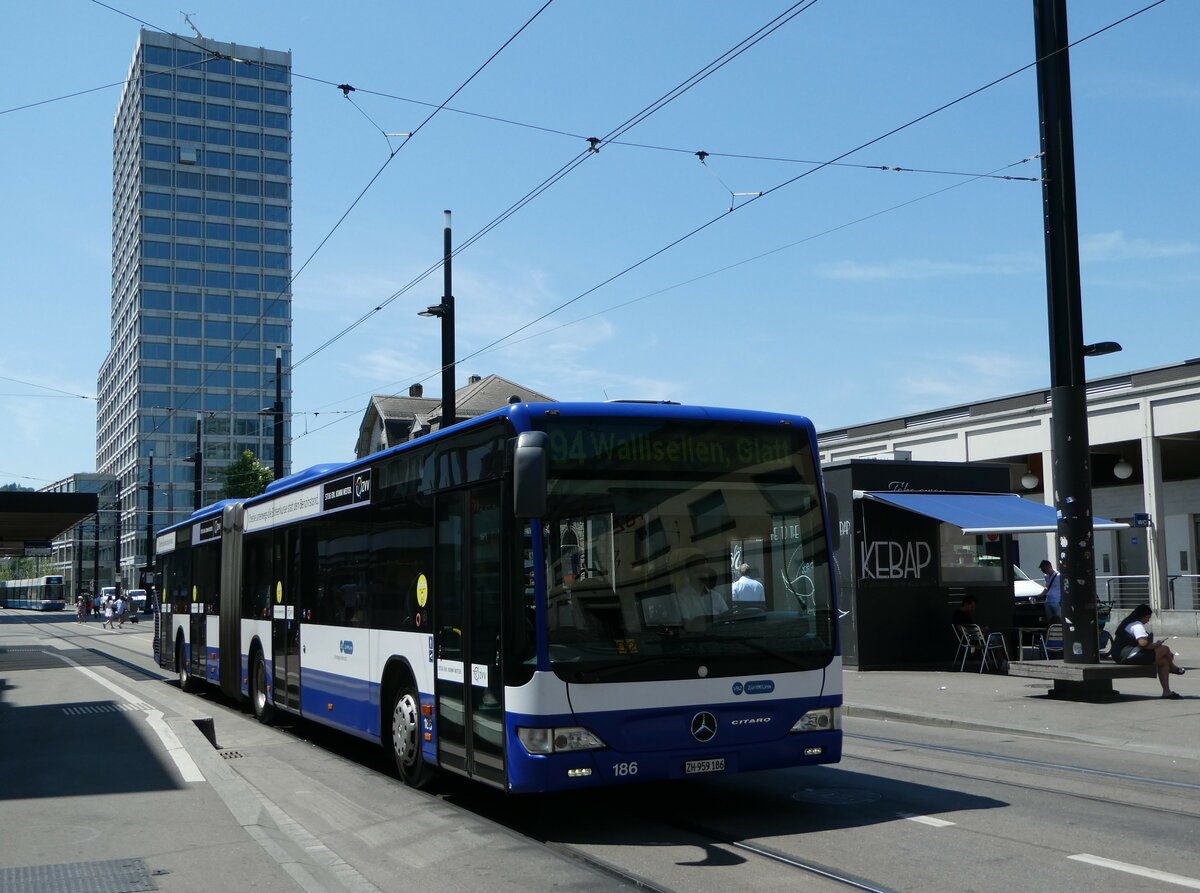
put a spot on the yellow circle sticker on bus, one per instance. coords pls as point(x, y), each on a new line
point(193, 593)
point(422, 591)
point(279, 591)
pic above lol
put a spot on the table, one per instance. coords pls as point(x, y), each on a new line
point(1037, 640)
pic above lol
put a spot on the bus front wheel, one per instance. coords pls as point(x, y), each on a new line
point(264, 712)
point(406, 738)
point(181, 667)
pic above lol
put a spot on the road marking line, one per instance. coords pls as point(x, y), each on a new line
point(175, 749)
point(1129, 868)
point(127, 696)
point(927, 820)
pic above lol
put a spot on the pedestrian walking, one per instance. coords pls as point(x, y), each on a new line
point(108, 614)
point(119, 609)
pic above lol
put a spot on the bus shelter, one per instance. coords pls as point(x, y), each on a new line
point(30, 521)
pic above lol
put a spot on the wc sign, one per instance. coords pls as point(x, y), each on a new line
point(893, 560)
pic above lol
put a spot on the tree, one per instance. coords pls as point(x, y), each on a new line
point(247, 477)
point(18, 568)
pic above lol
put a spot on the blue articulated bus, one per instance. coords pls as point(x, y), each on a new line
point(547, 597)
point(38, 594)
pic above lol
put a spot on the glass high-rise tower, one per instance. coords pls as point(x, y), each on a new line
point(201, 264)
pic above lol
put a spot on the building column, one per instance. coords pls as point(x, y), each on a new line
point(1156, 533)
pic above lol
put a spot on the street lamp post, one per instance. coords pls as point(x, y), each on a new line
point(445, 312)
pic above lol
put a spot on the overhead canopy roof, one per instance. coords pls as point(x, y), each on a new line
point(983, 512)
point(37, 518)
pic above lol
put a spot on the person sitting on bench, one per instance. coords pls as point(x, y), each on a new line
point(1134, 644)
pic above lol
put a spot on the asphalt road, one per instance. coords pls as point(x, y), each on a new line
point(88, 777)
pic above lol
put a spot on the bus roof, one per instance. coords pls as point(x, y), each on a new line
point(521, 415)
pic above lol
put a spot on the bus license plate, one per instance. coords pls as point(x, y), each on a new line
point(692, 767)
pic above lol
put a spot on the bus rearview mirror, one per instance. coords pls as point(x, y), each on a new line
point(529, 474)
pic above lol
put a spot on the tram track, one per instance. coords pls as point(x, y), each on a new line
point(1139, 785)
point(649, 852)
point(810, 868)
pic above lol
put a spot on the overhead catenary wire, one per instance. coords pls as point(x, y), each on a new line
point(816, 167)
point(753, 199)
point(348, 88)
point(594, 144)
point(809, 238)
point(833, 163)
point(813, 236)
point(33, 384)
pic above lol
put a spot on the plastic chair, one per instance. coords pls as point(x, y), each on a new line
point(1053, 641)
point(986, 645)
point(963, 647)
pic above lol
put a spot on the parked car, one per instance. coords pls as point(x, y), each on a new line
point(1029, 599)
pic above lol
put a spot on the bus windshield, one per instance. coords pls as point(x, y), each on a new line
point(684, 549)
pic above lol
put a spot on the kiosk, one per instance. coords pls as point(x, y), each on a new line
point(902, 571)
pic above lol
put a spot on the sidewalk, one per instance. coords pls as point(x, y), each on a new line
point(1139, 720)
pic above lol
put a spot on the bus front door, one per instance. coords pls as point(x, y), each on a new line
point(467, 606)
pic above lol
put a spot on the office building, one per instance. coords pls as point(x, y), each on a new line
point(86, 554)
point(201, 232)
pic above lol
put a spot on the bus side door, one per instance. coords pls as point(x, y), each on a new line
point(285, 617)
point(467, 612)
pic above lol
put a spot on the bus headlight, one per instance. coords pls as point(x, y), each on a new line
point(560, 740)
point(823, 720)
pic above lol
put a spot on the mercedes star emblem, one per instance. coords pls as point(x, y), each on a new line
point(704, 726)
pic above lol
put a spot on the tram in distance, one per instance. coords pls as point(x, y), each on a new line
point(543, 598)
point(38, 594)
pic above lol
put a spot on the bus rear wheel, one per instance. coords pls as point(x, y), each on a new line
point(264, 712)
point(406, 739)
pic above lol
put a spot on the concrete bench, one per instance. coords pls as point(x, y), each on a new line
point(1081, 682)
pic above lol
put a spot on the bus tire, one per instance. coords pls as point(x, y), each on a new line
point(264, 710)
point(405, 733)
point(186, 683)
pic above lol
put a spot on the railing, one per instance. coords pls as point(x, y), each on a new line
point(1183, 591)
point(1125, 592)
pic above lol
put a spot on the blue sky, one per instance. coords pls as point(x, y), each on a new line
point(849, 295)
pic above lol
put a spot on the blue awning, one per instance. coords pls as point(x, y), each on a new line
point(983, 512)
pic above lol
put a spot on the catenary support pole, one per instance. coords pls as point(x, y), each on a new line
point(197, 487)
point(278, 412)
point(448, 407)
point(149, 580)
point(1068, 387)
